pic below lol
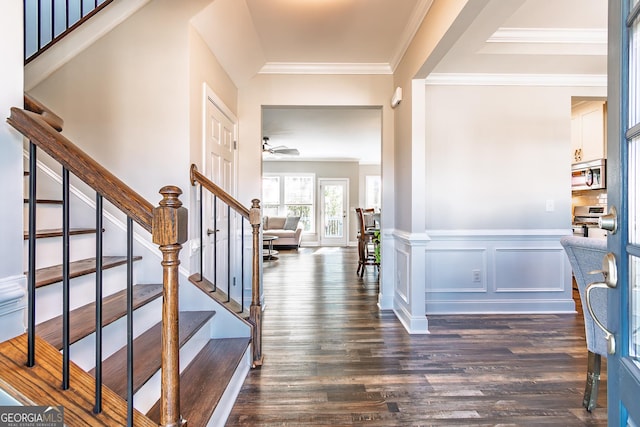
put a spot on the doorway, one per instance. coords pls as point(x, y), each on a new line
point(333, 212)
point(330, 143)
point(219, 160)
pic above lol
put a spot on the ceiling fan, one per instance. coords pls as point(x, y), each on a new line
point(280, 149)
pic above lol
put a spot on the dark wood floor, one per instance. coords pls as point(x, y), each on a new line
point(333, 359)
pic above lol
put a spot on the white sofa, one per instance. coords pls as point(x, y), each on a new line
point(287, 229)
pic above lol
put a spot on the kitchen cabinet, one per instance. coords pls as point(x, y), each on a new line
point(588, 131)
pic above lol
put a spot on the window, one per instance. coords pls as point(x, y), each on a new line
point(373, 192)
point(290, 195)
point(270, 195)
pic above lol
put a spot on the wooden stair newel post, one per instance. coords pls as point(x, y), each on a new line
point(169, 230)
point(255, 311)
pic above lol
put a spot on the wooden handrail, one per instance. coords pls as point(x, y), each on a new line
point(255, 219)
point(167, 224)
point(40, 132)
point(32, 104)
point(197, 177)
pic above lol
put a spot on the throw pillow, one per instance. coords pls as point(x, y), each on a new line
point(291, 223)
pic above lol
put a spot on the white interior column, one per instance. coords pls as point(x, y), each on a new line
point(409, 300)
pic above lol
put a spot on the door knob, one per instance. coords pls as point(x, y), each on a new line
point(210, 231)
point(609, 221)
point(610, 273)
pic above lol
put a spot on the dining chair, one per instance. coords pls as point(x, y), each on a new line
point(585, 256)
point(366, 243)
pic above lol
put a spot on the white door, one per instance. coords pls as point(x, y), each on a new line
point(333, 212)
point(219, 160)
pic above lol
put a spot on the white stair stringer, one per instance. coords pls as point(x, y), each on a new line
point(225, 405)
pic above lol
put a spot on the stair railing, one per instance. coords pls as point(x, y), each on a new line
point(48, 21)
point(253, 216)
point(167, 223)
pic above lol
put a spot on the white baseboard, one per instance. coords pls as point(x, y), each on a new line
point(415, 325)
point(12, 306)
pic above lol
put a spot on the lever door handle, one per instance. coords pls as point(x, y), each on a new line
point(609, 271)
point(210, 231)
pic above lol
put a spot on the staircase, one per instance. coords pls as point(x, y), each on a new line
point(133, 352)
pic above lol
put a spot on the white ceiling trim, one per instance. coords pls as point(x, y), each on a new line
point(410, 30)
point(325, 68)
point(550, 35)
point(482, 79)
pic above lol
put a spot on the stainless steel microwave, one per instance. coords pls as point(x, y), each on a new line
point(589, 175)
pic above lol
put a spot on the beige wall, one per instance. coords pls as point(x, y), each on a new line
point(125, 100)
point(12, 279)
point(205, 69)
point(299, 90)
point(439, 19)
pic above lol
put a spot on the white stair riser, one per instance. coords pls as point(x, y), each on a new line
point(47, 216)
point(114, 335)
point(149, 393)
point(49, 250)
point(82, 292)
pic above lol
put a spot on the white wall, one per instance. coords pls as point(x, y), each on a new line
point(12, 282)
point(495, 155)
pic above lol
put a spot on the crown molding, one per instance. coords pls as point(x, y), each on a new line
point(483, 79)
point(324, 68)
point(550, 35)
point(410, 30)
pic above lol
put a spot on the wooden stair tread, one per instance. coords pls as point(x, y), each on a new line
point(82, 321)
point(48, 275)
point(40, 385)
point(220, 296)
point(46, 201)
point(206, 378)
point(147, 355)
point(57, 232)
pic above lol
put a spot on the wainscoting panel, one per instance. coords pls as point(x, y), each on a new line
point(496, 271)
point(466, 270)
point(402, 275)
point(529, 269)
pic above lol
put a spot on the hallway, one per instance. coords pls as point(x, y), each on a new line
point(332, 359)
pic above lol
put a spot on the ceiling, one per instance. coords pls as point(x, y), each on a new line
point(514, 37)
